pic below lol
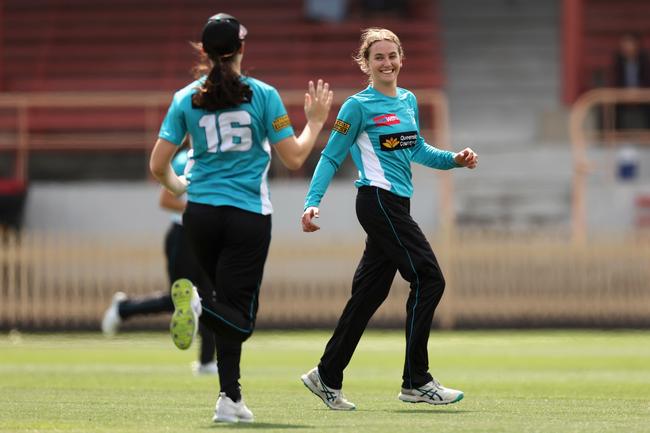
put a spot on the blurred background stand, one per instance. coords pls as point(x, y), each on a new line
point(332, 11)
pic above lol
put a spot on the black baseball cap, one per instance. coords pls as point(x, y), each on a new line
point(222, 35)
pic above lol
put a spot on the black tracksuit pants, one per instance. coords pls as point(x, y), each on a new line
point(231, 246)
point(394, 242)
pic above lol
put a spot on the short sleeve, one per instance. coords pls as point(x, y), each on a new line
point(173, 128)
point(276, 120)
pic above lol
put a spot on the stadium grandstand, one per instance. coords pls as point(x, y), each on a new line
point(85, 84)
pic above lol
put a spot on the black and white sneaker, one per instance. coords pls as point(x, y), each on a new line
point(333, 398)
point(432, 393)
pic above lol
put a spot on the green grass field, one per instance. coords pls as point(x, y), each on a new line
point(538, 381)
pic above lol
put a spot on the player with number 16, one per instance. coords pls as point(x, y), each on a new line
point(233, 122)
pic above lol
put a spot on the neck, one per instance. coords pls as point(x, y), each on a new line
point(388, 89)
point(236, 65)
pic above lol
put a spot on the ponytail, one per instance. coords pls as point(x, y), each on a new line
point(222, 88)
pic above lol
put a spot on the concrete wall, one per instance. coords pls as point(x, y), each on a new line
point(541, 178)
point(132, 207)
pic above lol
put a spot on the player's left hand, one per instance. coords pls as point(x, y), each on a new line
point(318, 101)
point(306, 219)
point(466, 158)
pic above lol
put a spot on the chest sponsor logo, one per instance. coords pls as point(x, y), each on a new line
point(281, 122)
point(398, 141)
point(341, 127)
point(386, 120)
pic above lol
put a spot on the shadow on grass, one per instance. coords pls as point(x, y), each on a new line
point(256, 425)
point(433, 412)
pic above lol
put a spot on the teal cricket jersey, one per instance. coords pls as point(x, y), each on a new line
point(231, 148)
point(382, 134)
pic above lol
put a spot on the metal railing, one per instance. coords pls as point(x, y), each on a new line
point(52, 281)
point(608, 99)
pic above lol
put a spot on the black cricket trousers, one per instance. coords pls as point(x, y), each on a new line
point(394, 242)
point(231, 246)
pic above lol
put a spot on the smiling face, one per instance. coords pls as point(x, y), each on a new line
point(384, 63)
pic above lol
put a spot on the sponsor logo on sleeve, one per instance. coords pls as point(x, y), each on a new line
point(398, 141)
point(341, 126)
point(281, 122)
point(386, 120)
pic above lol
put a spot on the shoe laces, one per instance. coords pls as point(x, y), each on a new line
point(430, 391)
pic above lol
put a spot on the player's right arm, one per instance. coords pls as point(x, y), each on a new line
point(161, 169)
point(346, 128)
point(171, 135)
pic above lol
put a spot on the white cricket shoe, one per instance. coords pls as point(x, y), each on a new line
point(227, 410)
point(432, 393)
point(209, 369)
point(187, 309)
point(112, 320)
point(333, 398)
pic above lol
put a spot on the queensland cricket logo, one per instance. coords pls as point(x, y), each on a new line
point(390, 142)
point(398, 141)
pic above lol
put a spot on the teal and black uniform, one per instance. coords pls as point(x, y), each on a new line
point(382, 134)
point(228, 215)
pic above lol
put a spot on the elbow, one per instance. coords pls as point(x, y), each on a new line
point(294, 165)
point(156, 170)
point(295, 162)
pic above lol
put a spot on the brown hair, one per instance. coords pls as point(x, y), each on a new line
point(222, 88)
point(369, 37)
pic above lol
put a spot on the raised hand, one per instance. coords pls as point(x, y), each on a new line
point(318, 102)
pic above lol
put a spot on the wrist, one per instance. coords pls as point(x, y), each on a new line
point(315, 124)
point(177, 185)
point(453, 158)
